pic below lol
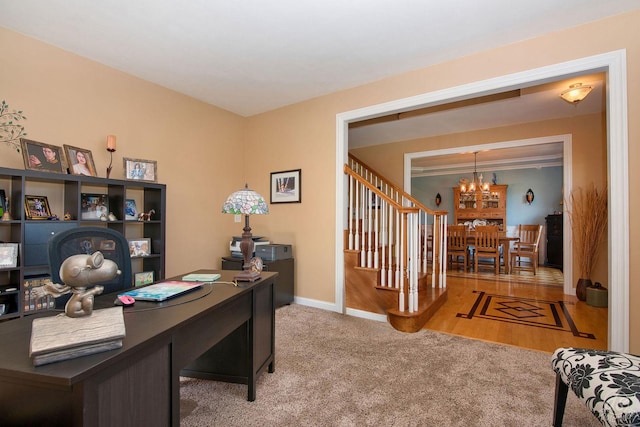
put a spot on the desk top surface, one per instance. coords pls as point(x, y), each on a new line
point(144, 321)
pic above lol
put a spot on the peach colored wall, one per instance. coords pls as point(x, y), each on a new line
point(589, 155)
point(305, 132)
point(199, 148)
point(71, 100)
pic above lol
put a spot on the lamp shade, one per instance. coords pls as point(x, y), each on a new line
point(576, 93)
point(245, 202)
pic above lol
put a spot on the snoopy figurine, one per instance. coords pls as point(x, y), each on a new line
point(78, 272)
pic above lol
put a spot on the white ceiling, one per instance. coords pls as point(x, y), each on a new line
point(251, 56)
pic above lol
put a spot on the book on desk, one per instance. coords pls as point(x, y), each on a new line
point(60, 337)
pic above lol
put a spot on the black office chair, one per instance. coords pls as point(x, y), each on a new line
point(87, 240)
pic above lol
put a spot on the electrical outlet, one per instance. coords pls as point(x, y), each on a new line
point(237, 218)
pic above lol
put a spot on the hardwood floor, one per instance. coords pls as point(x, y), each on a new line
point(519, 309)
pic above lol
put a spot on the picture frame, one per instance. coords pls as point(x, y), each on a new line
point(80, 161)
point(37, 207)
point(140, 170)
point(130, 210)
point(93, 206)
point(143, 278)
point(9, 255)
point(139, 247)
point(3, 202)
point(43, 157)
point(286, 186)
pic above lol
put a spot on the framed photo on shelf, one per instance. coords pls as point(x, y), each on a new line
point(9, 255)
point(80, 161)
point(39, 156)
point(139, 247)
point(37, 207)
point(94, 206)
point(286, 186)
point(140, 170)
point(130, 211)
point(3, 202)
point(143, 278)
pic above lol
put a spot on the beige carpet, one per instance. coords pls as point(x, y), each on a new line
point(336, 370)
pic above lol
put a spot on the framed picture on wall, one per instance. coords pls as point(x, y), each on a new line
point(286, 186)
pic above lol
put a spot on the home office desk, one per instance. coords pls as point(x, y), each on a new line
point(232, 328)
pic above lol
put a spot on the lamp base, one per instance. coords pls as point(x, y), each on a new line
point(247, 276)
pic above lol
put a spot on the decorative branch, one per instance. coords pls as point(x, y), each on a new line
point(588, 217)
point(10, 130)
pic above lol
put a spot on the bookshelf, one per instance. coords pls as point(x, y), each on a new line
point(64, 194)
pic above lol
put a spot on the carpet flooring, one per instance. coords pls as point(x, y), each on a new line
point(337, 370)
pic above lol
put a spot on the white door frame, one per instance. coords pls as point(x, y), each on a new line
point(614, 64)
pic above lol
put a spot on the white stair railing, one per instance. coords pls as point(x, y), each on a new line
point(394, 233)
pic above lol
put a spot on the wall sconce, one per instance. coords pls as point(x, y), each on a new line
point(575, 93)
point(529, 196)
point(111, 147)
point(438, 199)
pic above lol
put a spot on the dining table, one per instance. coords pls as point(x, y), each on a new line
point(504, 240)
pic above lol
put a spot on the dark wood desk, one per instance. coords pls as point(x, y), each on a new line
point(233, 328)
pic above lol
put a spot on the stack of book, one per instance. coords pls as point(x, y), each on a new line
point(32, 300)
point(61, 337)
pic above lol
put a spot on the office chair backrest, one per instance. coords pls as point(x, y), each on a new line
point(87, 240)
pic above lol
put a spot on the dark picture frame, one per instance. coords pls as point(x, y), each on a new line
point(43, 157)
point(93, 206)
point(286, 186)
point(75, 163)
point(37, 207)
point(3, 202)
point(9, 255)
point(139, 247)
point(140, 170)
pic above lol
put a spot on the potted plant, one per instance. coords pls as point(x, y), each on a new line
point(588, 216)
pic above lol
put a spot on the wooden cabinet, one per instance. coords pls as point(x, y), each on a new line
point(554, 241)
point(64, 194)
point(491, 206)
point(284, 281)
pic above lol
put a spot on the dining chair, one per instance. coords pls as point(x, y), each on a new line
point(457, 245)
point(526, 247)
point(487, 244)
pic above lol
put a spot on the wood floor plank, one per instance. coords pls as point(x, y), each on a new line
point(542, 294)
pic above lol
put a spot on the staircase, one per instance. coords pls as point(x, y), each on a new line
point(394, 246)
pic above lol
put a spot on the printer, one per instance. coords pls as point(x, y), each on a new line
point(234, 245)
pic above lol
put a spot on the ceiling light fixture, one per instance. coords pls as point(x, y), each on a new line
point(576, 93)
point(476, 184)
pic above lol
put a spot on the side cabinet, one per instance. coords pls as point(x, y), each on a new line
point(554, 241)
point(284, 281)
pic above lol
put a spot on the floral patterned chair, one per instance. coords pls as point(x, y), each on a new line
point(607, 382)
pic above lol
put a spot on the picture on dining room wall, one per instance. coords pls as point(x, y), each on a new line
point(286, 186)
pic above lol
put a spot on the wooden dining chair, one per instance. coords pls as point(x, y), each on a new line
point(487, 244)
point(457, 245)
point(526, 247)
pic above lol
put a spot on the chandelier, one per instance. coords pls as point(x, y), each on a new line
point(476, 184)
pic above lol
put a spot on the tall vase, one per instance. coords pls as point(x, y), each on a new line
point(581, 288)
